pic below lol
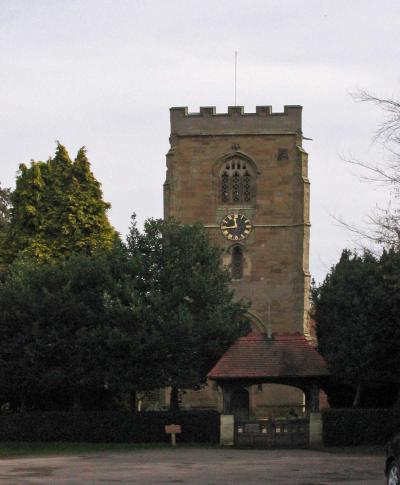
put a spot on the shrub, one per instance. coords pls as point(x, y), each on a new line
point(109, 427)
point(344, 427)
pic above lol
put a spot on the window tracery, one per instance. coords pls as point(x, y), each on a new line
point(236, 182)
point(236, 187)
point(225, 187)
point(246, 188)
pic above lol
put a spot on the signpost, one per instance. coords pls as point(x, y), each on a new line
point(173, 430)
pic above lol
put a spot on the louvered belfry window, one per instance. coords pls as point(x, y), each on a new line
point(246, 188)
point(235, 182)
point(236, 192)
point(225, 187)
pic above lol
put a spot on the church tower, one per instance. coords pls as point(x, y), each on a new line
point(244, 176)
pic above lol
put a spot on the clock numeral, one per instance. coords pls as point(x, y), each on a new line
point(235, 227)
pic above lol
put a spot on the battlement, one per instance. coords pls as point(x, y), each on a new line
point(235, 121)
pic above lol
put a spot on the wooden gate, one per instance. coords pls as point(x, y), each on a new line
point(270, 433)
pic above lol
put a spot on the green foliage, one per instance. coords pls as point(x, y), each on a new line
point(344, 310)
point(109, 427)
point(69, 327)
point(156, 313)
point(191, 316)
point(57, 210)
point(357, 318)
point(4, 208)
point(351, 427)
point(5, 195)
point(389, 315)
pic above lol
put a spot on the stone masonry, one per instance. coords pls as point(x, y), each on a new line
point(275, 276)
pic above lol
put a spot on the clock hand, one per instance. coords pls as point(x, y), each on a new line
point(230, 227)
point(235, 217)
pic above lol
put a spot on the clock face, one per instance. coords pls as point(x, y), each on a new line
point(235, 227)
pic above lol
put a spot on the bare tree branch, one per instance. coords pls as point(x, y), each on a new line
point(389, 129)
point(383, 225)
point(382, 229)
point(386, 172)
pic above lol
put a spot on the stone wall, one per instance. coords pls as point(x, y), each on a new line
point(276, 252)
point(276, 265)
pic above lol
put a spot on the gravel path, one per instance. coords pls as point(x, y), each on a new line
point(197, 466)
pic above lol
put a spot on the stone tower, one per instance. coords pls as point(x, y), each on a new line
point(251, 164)
point(244, 176)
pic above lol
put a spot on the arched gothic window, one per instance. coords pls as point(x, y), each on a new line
point(237, 263)
point(235, 182)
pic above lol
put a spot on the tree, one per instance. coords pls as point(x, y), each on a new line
point(70, 329)
point(4, 208)
point(190, 313)
point(384, 222)
point(380, 349)
point(4, 213)
point(389, 317)
point(57, 210)
point(357, 322)
point(157, 313)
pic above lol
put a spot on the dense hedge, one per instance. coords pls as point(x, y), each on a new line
point(109, 427)
point(344, 427)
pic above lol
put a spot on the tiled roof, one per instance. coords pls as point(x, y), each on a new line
point(257, 356)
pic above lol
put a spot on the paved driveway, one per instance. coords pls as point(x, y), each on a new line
point(197, 466)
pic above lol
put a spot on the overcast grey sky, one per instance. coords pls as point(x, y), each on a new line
point(104, 73)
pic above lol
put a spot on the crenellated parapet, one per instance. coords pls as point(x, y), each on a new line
point(235, 122)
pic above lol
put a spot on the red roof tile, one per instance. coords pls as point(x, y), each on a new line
point(257, 356)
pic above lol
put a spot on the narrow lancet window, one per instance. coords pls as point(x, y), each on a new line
point(237, 263)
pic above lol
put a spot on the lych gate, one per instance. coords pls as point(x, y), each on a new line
point(235, 392)
point(273, 433)
point(239, 403)
point(288, 359)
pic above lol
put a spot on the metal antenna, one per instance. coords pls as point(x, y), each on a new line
point(235, 78)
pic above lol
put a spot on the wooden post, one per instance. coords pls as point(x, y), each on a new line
point(315, 430)
point(173, 430)
point(227, 430)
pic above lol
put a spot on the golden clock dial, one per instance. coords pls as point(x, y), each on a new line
point(235, 227)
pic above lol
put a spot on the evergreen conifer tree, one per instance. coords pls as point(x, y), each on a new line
point(57, 210)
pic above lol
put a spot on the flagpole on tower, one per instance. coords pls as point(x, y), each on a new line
point(235, 78)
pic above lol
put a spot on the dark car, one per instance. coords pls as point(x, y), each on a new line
point(392, 466)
